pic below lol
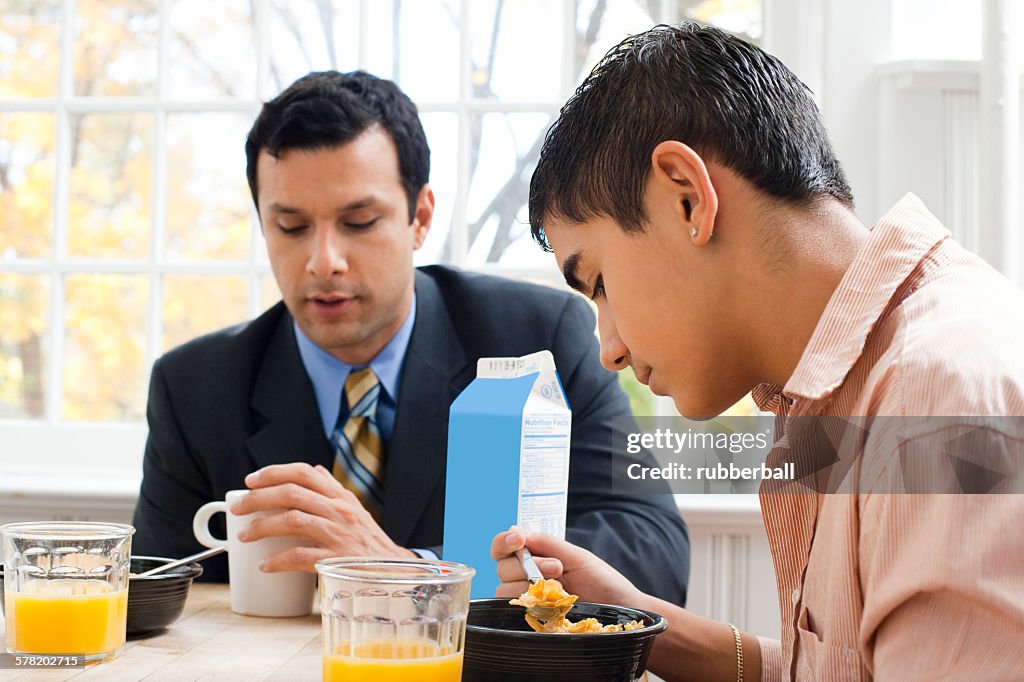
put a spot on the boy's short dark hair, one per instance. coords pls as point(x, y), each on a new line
point(729, 100)
point(326, 109)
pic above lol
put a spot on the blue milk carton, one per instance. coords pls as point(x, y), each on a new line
point(508, 460)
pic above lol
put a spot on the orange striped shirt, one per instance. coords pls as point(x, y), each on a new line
point(903, 586)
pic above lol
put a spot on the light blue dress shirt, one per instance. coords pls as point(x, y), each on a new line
point(328, 374)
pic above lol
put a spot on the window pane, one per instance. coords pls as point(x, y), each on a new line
point(105, 347)
point(115, 47)
point(745, 18)
point(312, 35)
point(270, 294)
point(24, 337)
point(197, 304)
point(208, 201)
point(29, 47)
point(499, 228)
point(503, 66)
point(26, 184)
point(111, 183)
point(601, 25)
point(211, 50)
point(443, 138)
point(419, 51)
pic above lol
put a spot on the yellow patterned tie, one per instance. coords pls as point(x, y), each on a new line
point(359, 450)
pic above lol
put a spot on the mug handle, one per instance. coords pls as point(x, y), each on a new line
point(201, 523)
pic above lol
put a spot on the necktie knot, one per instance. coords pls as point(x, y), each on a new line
point(362, 389)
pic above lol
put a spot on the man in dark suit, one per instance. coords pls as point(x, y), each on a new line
point(338, 167)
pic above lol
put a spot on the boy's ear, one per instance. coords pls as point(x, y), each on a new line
point(679, 174)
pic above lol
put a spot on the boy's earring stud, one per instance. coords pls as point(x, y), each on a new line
point(693, 231)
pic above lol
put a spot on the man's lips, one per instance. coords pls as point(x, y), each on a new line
point(328, 298)
point(643, 375)
point(330, 304)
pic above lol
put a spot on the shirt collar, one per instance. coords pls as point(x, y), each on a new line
point(893, 250)
point(327, 373)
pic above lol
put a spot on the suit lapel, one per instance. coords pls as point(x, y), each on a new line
point(432, 375)
point(283, 395)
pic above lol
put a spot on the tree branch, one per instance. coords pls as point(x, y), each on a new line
point(515, 192)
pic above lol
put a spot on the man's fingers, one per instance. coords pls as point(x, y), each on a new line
point(296, 472)
point(291, 522)
point(295, 559)
point(283, 496)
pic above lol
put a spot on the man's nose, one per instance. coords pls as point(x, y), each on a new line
point(328, 256)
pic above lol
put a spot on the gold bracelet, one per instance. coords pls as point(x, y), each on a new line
point(739, 652)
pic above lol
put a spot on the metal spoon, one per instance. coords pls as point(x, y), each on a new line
point(205, 554)
point(529, 565)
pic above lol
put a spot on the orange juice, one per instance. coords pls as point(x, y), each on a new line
point(393, 661)
point(66, 617)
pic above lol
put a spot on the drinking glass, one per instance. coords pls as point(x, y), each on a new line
point(393, 619)
point(66, 587)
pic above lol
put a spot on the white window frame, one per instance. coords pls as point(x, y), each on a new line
point(111, 452)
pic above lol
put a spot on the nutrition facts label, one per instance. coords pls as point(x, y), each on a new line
point(544, 473)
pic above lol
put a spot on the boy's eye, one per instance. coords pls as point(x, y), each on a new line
point(598, 288)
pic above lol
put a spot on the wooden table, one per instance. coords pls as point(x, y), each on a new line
point(208, 642)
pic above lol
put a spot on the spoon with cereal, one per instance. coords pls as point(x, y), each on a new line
point(547, 604)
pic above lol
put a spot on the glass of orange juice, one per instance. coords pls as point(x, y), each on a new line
point(390, 620)
point(66, 587)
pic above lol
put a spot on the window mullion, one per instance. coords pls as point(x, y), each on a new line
point(568, 47)
point(459, 226)
point(261, 23)
point(158, 208)
point(58, 246)
point(668, 12)
point(364, 34)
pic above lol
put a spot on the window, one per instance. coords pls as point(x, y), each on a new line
point(126, 225)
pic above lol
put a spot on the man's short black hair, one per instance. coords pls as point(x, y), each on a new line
point(326, 109)
point(730, 101)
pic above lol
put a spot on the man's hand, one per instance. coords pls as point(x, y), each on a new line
point(579, 571)
point(310, 503)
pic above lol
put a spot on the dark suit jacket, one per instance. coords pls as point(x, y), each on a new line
point(234, 401)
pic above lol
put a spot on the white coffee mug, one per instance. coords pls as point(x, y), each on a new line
point(253, 592)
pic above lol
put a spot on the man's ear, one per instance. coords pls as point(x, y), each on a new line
point(678, 173)
point(422, 216)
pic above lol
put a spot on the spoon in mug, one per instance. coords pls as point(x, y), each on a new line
point(205, 554)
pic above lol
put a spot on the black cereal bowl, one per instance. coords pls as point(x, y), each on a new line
point(156, 601)
point(500, 645)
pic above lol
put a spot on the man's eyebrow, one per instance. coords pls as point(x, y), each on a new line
point(281, 208)
point(350, 206)
point(569, 271)
point(359, 203)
